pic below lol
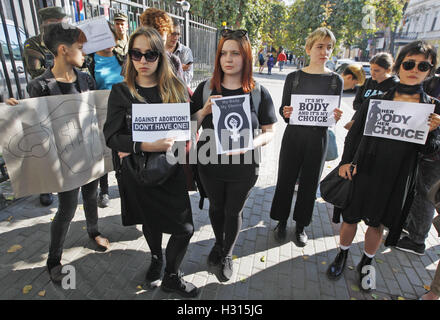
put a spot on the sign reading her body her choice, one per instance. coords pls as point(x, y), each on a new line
point(152, 122)
point(232, 124)
point(312, 110)
point(397, 120)
point(98, 34)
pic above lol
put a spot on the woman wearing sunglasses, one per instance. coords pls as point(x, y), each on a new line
point(160, 209)
point(303, 148)
point(228, 185)
point(385, 169)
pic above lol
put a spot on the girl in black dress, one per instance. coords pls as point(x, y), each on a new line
point(385, 169)
point(163, 208)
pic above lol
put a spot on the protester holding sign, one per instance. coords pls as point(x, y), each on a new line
point(161, 208)
point(66, 42)
point(384, 170)
point(380, 82)
point(315, 102)
point(228, 179)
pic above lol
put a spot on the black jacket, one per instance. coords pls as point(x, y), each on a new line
point(371, 88)
point(46, 84)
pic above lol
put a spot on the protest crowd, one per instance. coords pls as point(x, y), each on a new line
point(385, 157)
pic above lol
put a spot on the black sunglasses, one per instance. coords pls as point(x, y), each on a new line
point(422, 66)
point(229, 33)
point(150, 55)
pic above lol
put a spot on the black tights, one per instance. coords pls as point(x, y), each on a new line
point(176, 247)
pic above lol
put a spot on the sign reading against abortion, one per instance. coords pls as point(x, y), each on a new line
point(397, 120)
point(98, 34)
point(312, 110)
point(232, 124)
point(152, 122)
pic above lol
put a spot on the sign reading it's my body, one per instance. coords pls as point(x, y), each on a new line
point(312, 110)
point(152, 122)
point(397, 120)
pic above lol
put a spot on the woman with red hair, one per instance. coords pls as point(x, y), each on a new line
point(228, 183)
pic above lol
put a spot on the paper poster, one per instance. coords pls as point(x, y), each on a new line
point(55, 143)
point(232, 124)
point(152, 122)
point(98, 34)
point(313, 110)
point(397, 120)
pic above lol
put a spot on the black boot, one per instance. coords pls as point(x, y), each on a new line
point(173, 282)
point(365, 285)
point(336, 269)
point(280, 231)
point(300, 236)
point(154, 271)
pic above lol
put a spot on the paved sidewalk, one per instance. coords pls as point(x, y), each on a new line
point(263, 268)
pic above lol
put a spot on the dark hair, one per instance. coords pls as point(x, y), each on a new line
point(56, 34)
point(382, 59)
point(414, 48)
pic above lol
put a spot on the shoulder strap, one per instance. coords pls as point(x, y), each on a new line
point(206, 91)
point(256, 97)
point(295, 81)
point(333, 84)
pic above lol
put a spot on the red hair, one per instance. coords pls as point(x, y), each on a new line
point(247, 81)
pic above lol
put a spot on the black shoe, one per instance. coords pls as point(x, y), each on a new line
point(227, 268)
point(174, 283)
point(336, 269)
point(154, 271)
point(364, 284)
point(215, 256)
point(103, 200)
point(280, 231)
point(407, 245)
point(55, 272)
point(46, 199)
point(300, 237)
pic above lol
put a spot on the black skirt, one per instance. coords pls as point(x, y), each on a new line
point(166, 207)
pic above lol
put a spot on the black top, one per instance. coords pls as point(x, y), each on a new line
point(69, 87)
point(318, 84)
point(238, 170)
point(372, 88)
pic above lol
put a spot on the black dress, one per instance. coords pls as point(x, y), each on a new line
point(167, 207)
point(386, 170)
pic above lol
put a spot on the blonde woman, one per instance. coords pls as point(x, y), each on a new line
point(164, 208)
point(353, 75)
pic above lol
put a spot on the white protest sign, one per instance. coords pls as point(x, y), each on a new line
point(152, 122)
point(313, 110)
point(232, 124)
point(397, 120)
point(98, 34)
point(55, 143)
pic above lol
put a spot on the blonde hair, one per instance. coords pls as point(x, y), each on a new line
point(171, 88)
point(357, 72)
point(319, 34)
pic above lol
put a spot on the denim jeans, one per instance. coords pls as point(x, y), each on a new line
point(281, 64)
point(422, 210)
point(67, 203)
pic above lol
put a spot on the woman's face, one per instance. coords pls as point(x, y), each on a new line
point(75, 54)
point(378, 73)
point(320, 51)
point(231, 60)
point(143, 67)
point(413, 76)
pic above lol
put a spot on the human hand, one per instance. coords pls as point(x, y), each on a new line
point(337, 114)
point(207, 108)
point(345, 171)
point(123, 154)
point(161, 145)
point(434, 121)
point(12, 101)
point(287, 111)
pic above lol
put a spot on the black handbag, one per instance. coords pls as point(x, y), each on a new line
point(335, 189)
point(150, 169)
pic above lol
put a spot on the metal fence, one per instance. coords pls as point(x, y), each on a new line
point(19, 20)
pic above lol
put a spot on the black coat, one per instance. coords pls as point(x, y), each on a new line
point(384, 184)
point(167, 207)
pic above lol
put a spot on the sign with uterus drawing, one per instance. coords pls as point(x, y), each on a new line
point(232, 124)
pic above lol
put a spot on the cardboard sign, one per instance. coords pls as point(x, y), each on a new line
point(312, 110)
point(98, 33)
point(152, 122)
point(397, 120)
point(232, 124)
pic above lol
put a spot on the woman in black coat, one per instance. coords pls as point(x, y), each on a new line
point(162, 208)
point(385, 169)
